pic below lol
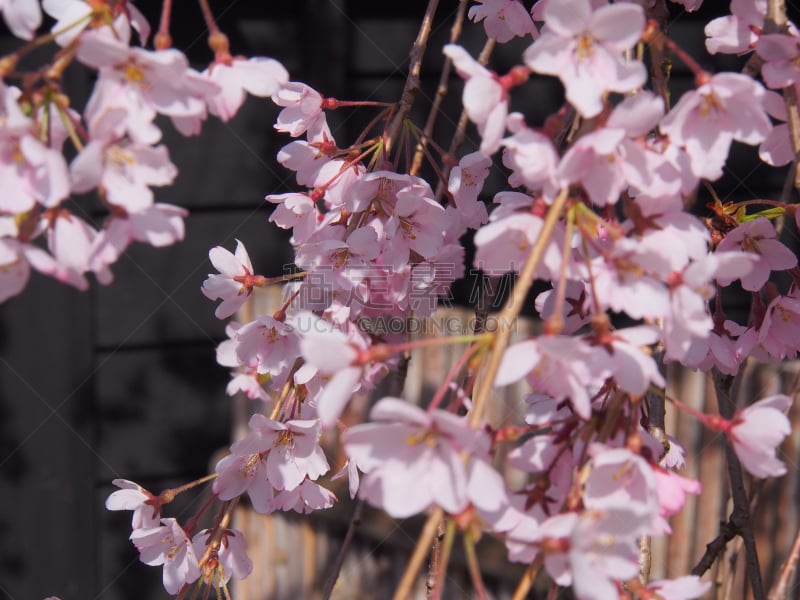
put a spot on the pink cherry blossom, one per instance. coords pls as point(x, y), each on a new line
point(124, 169)
point(564, 367)
point(305, 498)
point(780, 53)
point(466, 182)
point(23, 17)
point(705, 121)
point(258, 76)
point(756, 432)
point(738, 32)
point(585, 47)
point(411, 459)
point(302, 108)
point(681, 588)
point(485, 97)
point(234, 283)
point(230, 560)
point(503, 19)
point(17, 258)
point(758, 237)
point(531, 157)
point(591, 550)
point(30, 172)
point(134, 497)
point(776, 149)
point(672, 490)
point(168, 545)
point(621, 479)
point(142, 82)
point(779, 334)
point(158, 225)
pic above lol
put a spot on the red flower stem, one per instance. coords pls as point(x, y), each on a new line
point(208, 17)
point(653, 34)
point(191, 524)
point(444, 560)
point(465, 356)
point(163, 39)
point(169, 494)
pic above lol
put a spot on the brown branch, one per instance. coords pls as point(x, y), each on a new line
point(727, 388)
point(412, 81)
point(441, 89)
point(716, 547)
point(424, 542)
point(336, 568)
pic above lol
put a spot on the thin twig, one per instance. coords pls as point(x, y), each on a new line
point(412, 81)
point(436, 561)
point(336, 568)
point(441, 89)
point(473, 567)
point(526, 583)
point(426, 537)
point(780, 589)
point(447, 549)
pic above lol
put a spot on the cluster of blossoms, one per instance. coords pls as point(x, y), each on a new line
point(597, 203)
point(115, 141)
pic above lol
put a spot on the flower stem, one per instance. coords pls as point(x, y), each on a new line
point(526, 583)
point(473, 566)
point(465, 356)
point(514, 305)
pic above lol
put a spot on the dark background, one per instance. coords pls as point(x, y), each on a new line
point(122, 381)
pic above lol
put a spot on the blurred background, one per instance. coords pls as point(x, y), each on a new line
point(121, 381)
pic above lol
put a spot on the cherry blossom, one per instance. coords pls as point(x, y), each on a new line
point(584, 47)
point(23, 17)
point(132, 496)
point(705, 121)
point(302, 108)
point(235, 280)
point(411, 458)
point(230, 560)
point(503, 19)
point(485, 97)
point(738, 32)
point(168, 545)
point(756, 432)
point(258, 76)
point(758, 237)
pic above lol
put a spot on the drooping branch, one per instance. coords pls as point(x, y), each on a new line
point(412, 81)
